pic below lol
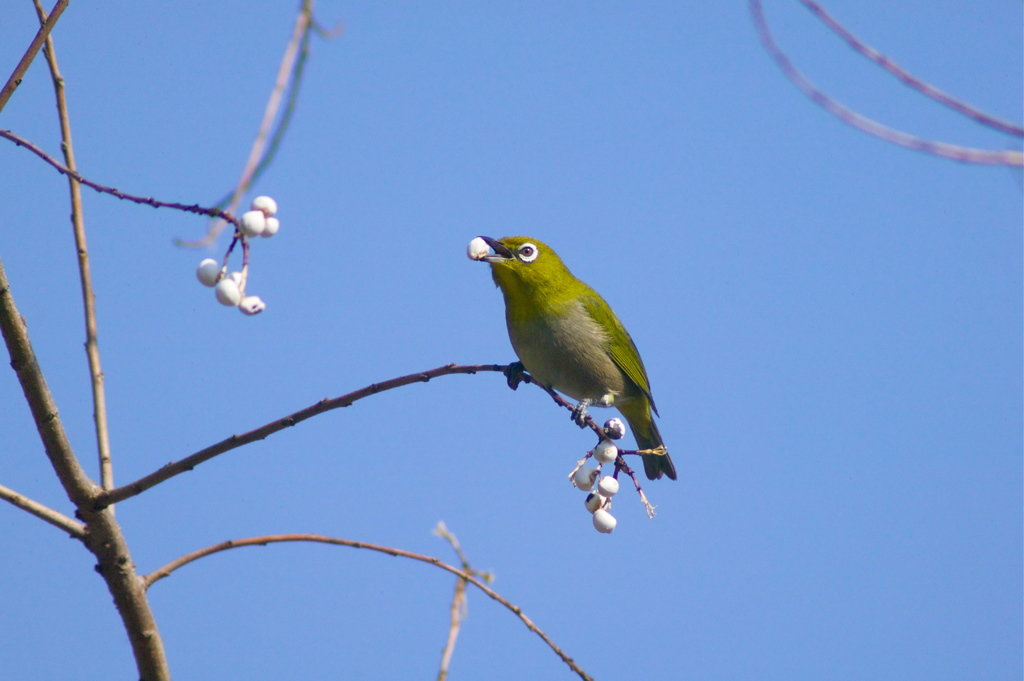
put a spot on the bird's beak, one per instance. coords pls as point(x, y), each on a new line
point(501, 253)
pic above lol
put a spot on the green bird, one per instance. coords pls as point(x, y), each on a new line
point(569, 339)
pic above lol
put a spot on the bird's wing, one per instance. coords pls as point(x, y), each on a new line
point(624, 354)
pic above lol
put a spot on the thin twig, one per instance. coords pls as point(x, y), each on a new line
point(150, 201)
point(33, 49)
point(621, 465)
point(458, 612)
point(92, 348)
point(284, 122)
point(865, 124)
point(328, 33)
point(460, 604)
point(104, 537)
point(441, 530)
point(909, 79)
point(166, 570)
point(55, 518)
point(284, 73)
point(279, 131)
point(564, 403)
point(189, 462)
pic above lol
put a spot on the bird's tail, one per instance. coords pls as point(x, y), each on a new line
point(645, 430)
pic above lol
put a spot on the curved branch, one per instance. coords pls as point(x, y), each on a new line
point(55, 518)
point(189, 462)
point(150, 201)
point(909, 79)
point(168, 471)
point(166, 570)
point(865, 124)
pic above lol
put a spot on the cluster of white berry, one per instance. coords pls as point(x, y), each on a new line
point(599, 503)
point(230, 288)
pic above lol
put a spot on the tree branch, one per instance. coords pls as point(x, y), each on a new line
point(189, 462)
point(150, 201)
point(76, 483)
point(92, 349)
point(103, 537)
point(170, 470)
point(55, 518)
point(460, 604)
point(166, 570)
point(865, 124)
point(33, 49)
point(284, 73)
point(908, 78)
point(457, 612)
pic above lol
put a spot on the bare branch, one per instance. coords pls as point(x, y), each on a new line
point(92, 348)
point(443, 532)
point(515, 374)
point(150, 201)
point(865, 124)
point(458, 611)
point(188, 463)
point(621, 465)
point(460, 605)
point(55, 518)
point(104, 537)
point(168, 471)
point(562, 402)
point(166, 570)
point(76, 483)
point(908, 78)
point(33, 49)
point(284, 73)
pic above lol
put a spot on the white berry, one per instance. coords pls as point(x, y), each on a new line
point(227, 292)
point(251, 305)
point(477, 249)
point(614, 428)
point(594, 502)
point(270, 229)
point(265, 205)
point(253, 223)
point(585, 477)
point(608, 487)
point(237, 278)
point(207, 272)
point(604, 521)
point(605, 451)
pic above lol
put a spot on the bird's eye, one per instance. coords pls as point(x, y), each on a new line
point(527, 252)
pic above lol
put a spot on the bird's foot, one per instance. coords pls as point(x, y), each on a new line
point(580, 414)
point(514, 374)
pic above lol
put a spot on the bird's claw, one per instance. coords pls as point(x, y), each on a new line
point(514, 374)
point(580, 413)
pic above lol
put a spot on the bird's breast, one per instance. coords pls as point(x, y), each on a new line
point(567, 350)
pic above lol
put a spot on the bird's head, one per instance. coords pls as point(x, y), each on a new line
point(524, 266)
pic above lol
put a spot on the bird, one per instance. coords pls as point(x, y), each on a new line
point(569, 339)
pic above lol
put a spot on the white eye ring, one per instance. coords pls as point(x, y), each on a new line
point(528, 252)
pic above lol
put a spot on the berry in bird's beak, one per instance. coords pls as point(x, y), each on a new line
point(477, 249)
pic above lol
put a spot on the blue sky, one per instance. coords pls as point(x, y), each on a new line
point(832, 327)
